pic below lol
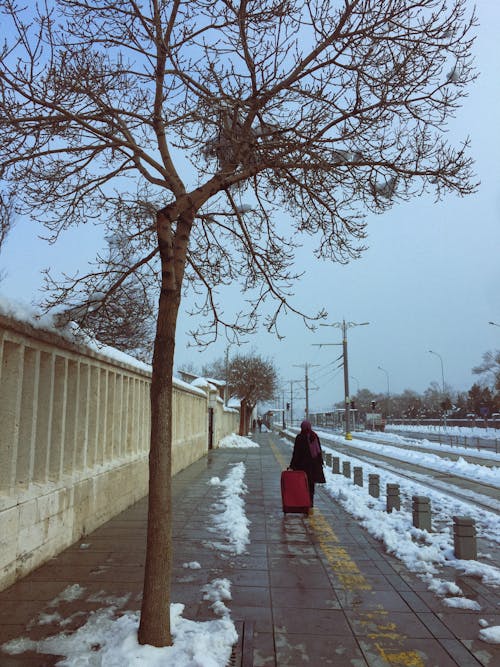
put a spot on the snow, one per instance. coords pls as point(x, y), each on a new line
point(234, 440)
point(449, 449)
point(461, 431)
point(489, 475)
point(490, 635)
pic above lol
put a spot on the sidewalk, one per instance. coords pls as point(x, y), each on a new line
point(310, 591)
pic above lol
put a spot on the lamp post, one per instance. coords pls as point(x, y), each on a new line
point(442, 380)
point(344, 326)
point(388, 389)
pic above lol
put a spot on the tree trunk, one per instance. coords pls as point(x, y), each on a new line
point(154, 628)
point(243, 409)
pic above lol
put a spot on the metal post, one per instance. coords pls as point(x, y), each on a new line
point(347, 413)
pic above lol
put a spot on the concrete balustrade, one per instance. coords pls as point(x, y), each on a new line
point(74, 440)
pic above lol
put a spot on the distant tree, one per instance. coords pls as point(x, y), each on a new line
point(489, 369)
point(322, 108)
point(217, 369)
point(6, 218)
point(432, 398)
point(480, 397)
point(250, 378)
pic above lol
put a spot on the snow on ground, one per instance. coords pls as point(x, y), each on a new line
point(487, 474)
point(430, 445)
point(234, 440)
point(230, 519)
point(461, 431)
point(107, 641)
point(423, 553)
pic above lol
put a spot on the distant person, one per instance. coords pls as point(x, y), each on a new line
point(259, 422)
point(307, 456)
point(254, 425)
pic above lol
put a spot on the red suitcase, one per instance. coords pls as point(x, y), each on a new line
point(295, 491)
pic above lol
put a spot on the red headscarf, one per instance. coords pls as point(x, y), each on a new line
point(312, 438)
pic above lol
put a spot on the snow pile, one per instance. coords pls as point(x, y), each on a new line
point(106, 641)
point(231, 518)
point(236, 441)
point(490, 635)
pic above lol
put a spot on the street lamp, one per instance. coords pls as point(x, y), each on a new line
point(442, 368)
point(388, 389)
point(344, 326)
point(494, 324)
point(442, 379)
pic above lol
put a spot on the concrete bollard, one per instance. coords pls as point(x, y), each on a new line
point(374, 485)
point(393, 501)
point(464, 538)
point(336, 465)
point(358, 475)
point(328, 459)
point(346, 468)
point(422, 513)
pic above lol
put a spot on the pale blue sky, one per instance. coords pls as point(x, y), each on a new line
point(429, 280)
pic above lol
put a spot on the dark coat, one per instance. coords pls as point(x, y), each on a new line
point(302, 460)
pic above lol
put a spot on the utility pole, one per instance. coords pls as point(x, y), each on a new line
point(306, 367)
point(284, 423)
point(344, 326)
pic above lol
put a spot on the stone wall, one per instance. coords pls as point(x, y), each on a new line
point(74, 440)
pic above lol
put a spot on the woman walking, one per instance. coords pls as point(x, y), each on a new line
point(307, 456)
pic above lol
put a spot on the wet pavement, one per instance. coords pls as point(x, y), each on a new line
point(315, 590)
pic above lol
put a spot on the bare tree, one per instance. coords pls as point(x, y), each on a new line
point(250, 378)
point(489, 369)
point(325, 109)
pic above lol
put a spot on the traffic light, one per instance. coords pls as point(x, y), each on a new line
point(353, 405)
point(288, 406)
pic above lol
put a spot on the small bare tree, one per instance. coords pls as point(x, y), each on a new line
point(157, 118)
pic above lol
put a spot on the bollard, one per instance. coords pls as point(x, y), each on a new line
point(393, 501)
point(358, 475)
point(346, 468)
point(374, 485)
point(422, 513)
point(328, 459)
point(336, 465)
point(464, 538)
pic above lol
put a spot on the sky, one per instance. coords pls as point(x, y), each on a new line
point(428, 281)
point(208, 644)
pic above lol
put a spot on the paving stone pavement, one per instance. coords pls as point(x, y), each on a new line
point(313, 591)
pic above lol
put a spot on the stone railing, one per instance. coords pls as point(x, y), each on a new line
point(74, 439)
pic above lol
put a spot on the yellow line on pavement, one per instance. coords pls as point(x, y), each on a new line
point(387, 640)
